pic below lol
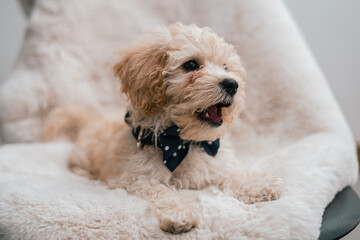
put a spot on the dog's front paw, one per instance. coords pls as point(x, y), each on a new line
point(178, 220)
point(253, 188)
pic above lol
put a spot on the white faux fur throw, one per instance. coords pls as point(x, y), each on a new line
point(291, 127)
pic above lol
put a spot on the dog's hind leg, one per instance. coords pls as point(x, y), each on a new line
point(80, 164)
point(251, 187)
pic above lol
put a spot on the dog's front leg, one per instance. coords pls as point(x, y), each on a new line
point(250, 187)
point(175, 213)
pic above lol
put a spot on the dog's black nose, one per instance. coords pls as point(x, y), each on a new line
point(229, 85)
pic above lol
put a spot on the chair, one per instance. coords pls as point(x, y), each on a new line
point(292, 126)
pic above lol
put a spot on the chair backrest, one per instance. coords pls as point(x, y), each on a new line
point(69, 51)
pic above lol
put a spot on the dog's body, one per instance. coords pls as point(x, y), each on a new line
point(181, 75)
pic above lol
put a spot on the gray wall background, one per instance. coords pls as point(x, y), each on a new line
point(12, 28)
point(331, 28)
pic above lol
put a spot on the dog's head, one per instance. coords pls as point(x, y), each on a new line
point(183, 75)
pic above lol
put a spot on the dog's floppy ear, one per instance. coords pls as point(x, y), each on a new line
point(140, 71)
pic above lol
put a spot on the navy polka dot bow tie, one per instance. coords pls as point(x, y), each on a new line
point(173, 147)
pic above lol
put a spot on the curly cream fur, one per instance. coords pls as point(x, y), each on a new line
point(161, 93)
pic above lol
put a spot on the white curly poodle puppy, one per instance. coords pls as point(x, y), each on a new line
point(185, 85)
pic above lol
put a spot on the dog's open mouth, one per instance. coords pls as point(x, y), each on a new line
point(213, 114)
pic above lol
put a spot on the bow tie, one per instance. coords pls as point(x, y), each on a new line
point(174, 148)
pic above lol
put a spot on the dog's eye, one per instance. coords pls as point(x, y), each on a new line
point(191, 66)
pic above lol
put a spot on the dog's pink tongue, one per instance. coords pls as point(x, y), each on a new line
point(212, 113)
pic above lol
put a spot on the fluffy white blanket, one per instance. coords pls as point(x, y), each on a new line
point(291, 127)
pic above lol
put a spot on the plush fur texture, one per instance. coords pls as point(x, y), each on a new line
point(163, 93)
point(291, 126)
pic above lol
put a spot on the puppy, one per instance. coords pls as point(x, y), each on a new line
point(185, 85)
